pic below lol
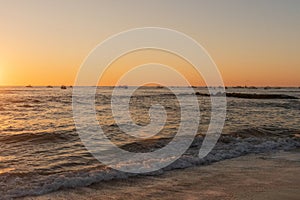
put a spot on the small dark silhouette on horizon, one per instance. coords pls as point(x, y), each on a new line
point(249, 95)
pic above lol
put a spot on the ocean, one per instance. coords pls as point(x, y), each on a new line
point(41, 152)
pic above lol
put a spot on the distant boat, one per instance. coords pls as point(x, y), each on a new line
point(63, 87)
point(238, 87)
point(49, 86)
point(123, 86)
point(29, 86)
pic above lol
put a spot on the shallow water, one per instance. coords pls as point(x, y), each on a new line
point(41, 151)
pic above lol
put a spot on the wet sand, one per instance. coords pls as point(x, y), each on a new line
point(261, 176)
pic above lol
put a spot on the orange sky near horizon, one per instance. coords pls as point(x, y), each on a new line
point(128, 62)
point(253, 43)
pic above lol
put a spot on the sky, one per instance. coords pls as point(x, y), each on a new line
point(44, 42)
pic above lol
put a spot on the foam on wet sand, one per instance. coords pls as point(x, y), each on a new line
point(257, 176)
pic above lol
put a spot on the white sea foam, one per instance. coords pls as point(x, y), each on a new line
point(37, 184)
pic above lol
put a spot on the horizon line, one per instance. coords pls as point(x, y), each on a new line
point(229, 86)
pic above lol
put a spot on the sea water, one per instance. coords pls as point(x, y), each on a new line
point(40, 150)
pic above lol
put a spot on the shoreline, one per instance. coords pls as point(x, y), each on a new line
point(255, 176)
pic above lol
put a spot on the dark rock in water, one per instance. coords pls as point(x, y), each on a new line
point(202, 94)
point(260, 96)
point(49, 86)
point(250, 96)
point(29, 86)
point(63, 87)
point(218, 94)
point(238, 87)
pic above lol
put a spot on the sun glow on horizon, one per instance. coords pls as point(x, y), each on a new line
point(2, 81)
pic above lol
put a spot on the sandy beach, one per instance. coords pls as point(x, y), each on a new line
point(260, 176)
